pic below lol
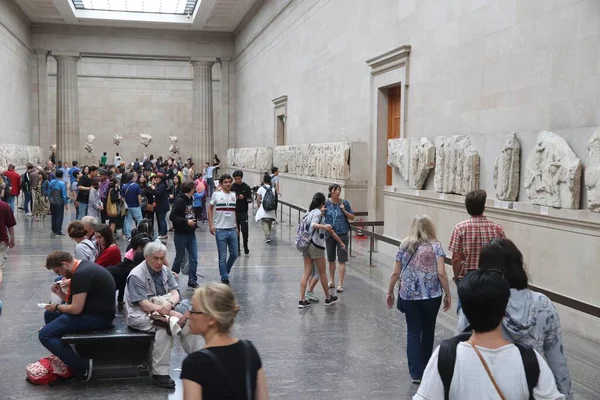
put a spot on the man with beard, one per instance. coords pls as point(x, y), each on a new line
point(90, 307)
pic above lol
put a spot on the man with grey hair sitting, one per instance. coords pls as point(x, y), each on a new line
point(152, 304)
point(92, 224)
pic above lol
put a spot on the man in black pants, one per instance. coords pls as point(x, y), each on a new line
point(243, 194)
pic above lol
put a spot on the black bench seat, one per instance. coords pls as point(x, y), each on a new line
point(118, 352)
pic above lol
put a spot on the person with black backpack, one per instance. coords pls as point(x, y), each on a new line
point(484, 365)
point(266, 201)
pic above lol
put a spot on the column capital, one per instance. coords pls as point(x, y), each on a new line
point(66, 55)
point(41, 52)
point(203, 61)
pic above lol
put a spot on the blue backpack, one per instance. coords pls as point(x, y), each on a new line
point(303, 236)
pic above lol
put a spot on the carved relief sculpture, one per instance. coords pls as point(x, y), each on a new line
point(20, 155)
point(507, 169)
point(145, 139)
point(414, 158)
point(260, 158)
point(592, 173)
point(89, 143)
point(52, 150)
point(173, 148)
point(323, 160)
point(117, 139)
point(456, 165)
point(553, 174)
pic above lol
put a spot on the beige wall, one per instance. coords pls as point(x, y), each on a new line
point(130, 97)
point(477, 67)
point(16, 61)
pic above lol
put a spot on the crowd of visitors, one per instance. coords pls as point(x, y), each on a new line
point(501, 326)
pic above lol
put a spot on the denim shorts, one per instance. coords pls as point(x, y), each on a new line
point(334, 248)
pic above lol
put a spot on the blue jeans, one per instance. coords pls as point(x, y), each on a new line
point(183, 242)
point(420, 324)
point(57, 213)
point(135, 214)
point(226, 238)
point(28, 202)
point(58, 324)
point(82, 210)
point(11, 202)
point(161, 221)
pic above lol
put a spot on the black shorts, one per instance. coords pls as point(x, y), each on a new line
point(334, 248)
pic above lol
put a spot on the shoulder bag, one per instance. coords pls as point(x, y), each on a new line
point(399, 305)
point(219, 365)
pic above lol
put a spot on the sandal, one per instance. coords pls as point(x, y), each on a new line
point(331, 285)
point(340, 289)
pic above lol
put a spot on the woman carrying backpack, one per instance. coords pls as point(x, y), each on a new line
point(268, 215)
point(315, 252)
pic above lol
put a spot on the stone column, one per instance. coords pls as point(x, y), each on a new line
point(203, 150)
point(40, 106)
point(67, 107)
point(225, 139)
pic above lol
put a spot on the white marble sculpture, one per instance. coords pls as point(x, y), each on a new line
point(456, 165)
point(414, 158)
point(145, 139)
point(52, 149)
point(507, 169)
point(20, 155)
point(89, 143)
point(553, 173)
point(323, 160)
point(173, 148)
point(259, 158)
point(117, 139)
point(592, 173)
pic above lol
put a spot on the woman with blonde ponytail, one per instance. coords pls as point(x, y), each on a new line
point(420, 268)
point(227, 367)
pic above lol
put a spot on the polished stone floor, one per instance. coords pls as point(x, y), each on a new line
point(352, 350)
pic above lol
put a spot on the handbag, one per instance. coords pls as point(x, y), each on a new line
point(399, 305)
point(150, 207)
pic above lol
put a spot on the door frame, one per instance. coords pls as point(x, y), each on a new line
point(386, 70)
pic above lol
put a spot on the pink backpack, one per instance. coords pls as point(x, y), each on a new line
point(47, 370)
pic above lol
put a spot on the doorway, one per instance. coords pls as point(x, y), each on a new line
point(281, 130)
point(393, 121)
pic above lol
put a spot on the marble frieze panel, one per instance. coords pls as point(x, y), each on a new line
point(20, 155)
point(260, 158)
point(456, 165)
point(507, 169)
point(322, 160)
point(553, 173)
point(414, 158)
point(592, 173)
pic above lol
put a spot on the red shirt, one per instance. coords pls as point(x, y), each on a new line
point(110, 256)
point(15, 181)
point(7, 220)
point(470, 236)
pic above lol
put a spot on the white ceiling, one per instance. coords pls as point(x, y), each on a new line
point(210, 15)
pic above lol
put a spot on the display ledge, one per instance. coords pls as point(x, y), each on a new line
point(571, 220)
point(310, 179)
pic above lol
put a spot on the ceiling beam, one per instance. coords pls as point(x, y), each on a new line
point(67, 13)
point(203, 12)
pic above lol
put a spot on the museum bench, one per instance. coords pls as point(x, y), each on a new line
point(119, 352)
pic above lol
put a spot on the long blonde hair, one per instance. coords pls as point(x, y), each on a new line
point(421, 230)
point(218, 301)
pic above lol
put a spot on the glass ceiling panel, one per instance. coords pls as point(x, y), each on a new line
point(180, 7)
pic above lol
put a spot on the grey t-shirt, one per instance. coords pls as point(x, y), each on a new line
point(317, 235)
point(137, 287)
point(86, 250)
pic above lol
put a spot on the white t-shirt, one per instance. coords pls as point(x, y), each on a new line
point(262, 213)
point(224, 209)
point(471, 382)
point(117, 160)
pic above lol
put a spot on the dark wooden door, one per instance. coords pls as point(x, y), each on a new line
point(393, 121)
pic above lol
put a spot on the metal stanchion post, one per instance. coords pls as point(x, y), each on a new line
point(371, 251)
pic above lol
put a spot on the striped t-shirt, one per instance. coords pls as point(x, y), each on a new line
point(224, 209)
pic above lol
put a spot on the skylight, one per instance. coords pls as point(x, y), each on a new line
point(181, 7)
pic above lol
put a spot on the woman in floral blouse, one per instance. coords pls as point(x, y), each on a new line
point(420, 268)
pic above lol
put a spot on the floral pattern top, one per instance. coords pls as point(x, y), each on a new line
point(419, 279)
